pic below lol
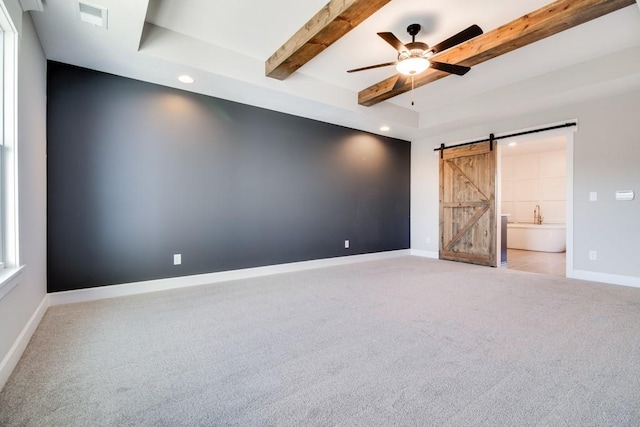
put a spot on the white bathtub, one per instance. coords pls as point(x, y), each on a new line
point(532, 237)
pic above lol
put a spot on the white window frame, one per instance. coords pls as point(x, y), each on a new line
point(10, 269)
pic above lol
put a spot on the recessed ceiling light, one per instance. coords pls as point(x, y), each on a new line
point(186, 79)
point(513, 144)
point(384, 128)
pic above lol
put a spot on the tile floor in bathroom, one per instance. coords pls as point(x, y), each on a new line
point(537, 262)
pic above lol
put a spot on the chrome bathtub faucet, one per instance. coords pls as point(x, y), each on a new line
point(537, 217)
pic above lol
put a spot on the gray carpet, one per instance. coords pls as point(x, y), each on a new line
point(408, 341)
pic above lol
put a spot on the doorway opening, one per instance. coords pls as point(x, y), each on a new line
point(535, 187)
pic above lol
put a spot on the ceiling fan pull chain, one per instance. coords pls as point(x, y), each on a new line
point(411, 89)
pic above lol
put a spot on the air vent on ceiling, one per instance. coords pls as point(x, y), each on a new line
point(92, 14)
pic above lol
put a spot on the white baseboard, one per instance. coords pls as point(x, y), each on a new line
point(614, 279)
point(91, 294)
point(425, 254)
point(10, 361)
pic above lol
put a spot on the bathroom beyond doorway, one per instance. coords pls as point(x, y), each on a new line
point(534, 191)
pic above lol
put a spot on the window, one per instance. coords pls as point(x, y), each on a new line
point(9, 263)
point(2, 145)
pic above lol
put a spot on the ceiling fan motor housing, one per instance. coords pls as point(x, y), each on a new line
point(414, 50)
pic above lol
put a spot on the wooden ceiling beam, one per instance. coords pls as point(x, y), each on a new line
point(333, 21)
point(544, 22)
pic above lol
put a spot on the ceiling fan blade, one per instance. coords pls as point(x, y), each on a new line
point(393, 41)
point(462, 36)
point(460, 70)
point(386, 64)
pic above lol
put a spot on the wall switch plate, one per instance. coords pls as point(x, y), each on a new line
point(593, 255)
point(593, 196)
point(346, 244)
point(177, 259)
point(625, 195)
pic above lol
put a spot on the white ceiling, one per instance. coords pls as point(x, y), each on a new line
point(224, 44)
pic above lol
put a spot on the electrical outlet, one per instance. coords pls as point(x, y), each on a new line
point(177, 259)
point(593, 196)
point(593, 255)
point(346, 244)
point(428, 240)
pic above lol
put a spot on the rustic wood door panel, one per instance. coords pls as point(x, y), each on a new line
point(467, 204)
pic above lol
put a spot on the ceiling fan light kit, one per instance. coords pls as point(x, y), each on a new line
point(413, 65)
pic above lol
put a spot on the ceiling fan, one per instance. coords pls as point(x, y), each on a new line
point(414, 57)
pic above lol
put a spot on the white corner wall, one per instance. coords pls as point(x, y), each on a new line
point(606, 158)
point(22, 308)
point(425, 195)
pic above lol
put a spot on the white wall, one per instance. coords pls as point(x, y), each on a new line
point(606, 158)
point(425, 196)
point(535, 179)
point(21, 308)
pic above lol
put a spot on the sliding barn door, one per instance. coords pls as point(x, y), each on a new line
point(467, 204)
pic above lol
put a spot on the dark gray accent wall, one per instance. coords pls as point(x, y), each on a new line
point(138, 172)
